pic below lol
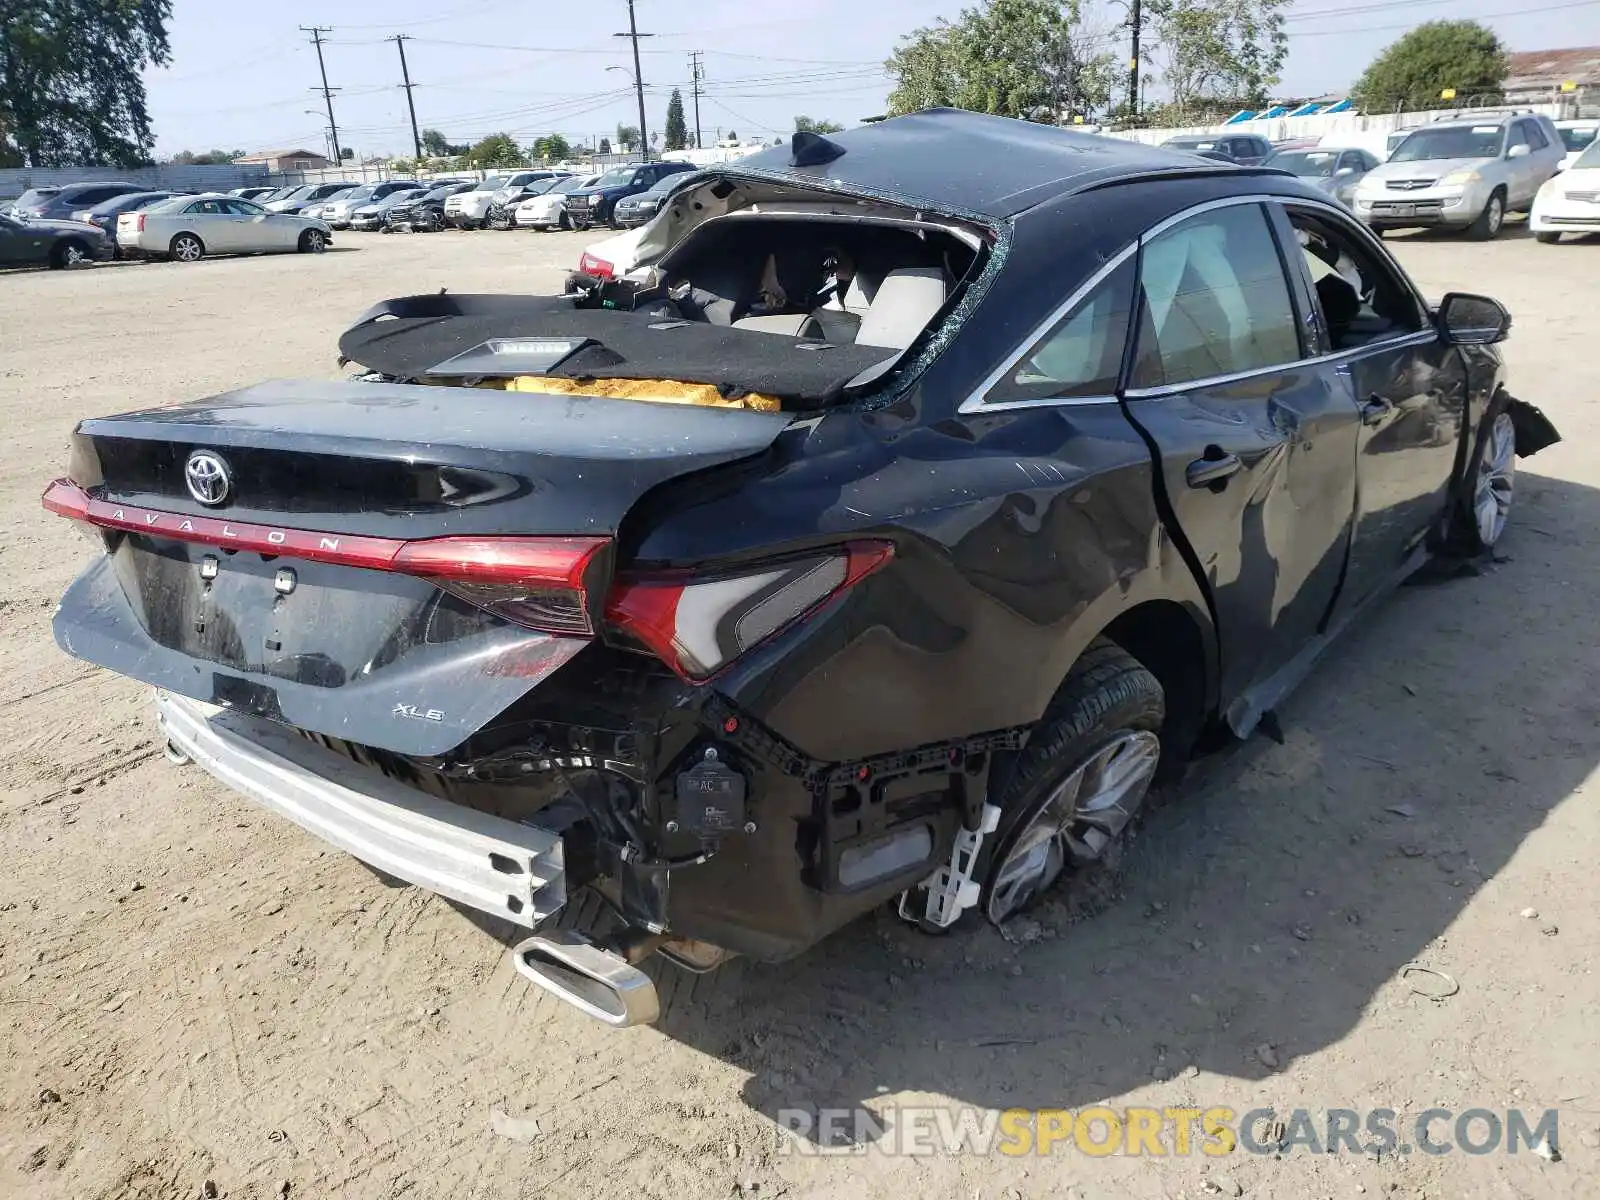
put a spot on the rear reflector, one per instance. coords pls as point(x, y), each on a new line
point(698, 625)
point(538, 582)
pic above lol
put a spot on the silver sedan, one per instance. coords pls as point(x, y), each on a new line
point(187, 228)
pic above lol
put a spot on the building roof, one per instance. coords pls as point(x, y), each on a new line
point(965, 161)
point(1530, 68)
point(265, 155)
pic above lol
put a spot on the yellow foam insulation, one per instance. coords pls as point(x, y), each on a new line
point(657, 391)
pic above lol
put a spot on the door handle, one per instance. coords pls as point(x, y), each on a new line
point(1205, 472)
point(1375, 409)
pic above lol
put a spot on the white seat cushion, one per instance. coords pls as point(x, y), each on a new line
point(906, 301)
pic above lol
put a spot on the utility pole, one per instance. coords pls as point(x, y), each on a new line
point(316, 32)
point(400, 40)
point(698, 73)
point(638, 77)
point(1135, 22)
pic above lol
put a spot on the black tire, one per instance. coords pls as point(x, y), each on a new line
point(1464, 538)
point(1548, 237)
point(69, 252)
point(1491, 220)
point(1109, 694)
point(186, 247)
point(566, 223)
point(313, 241)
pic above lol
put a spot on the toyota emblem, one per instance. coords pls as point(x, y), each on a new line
point(208, 477)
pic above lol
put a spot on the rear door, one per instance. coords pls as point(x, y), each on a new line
point(1255, 443)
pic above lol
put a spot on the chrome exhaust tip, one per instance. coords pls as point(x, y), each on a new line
point(594, 980)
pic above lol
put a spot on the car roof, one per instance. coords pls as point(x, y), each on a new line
point(972, 162)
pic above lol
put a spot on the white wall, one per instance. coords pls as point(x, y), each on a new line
point(1364, 128)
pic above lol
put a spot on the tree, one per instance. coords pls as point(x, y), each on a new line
point(732, 136)
point(677, 127)
point(71, 89)
point(807, 125)
point(212, 158)
point(1219, 53)
point(1034, 59)
point(627, 138)
point(1440, 54)
point(435, 144)
point(605, 146)
point(552, 147)
point(496, 150)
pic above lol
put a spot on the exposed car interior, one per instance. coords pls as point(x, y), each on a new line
point(1361, 301)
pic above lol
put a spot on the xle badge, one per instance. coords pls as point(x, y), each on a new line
point(414, 713)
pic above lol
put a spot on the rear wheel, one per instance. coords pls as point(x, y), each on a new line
point(1490, 221)
point(1075, 789)
point(186, 247)
point(69, 253)
point(313, 241)
point(1548, 237)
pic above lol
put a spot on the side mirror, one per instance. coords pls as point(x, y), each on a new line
point(1468, 320)
point(1343, 172)
point(1518, 151)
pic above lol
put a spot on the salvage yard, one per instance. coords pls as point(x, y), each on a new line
point(197, 999)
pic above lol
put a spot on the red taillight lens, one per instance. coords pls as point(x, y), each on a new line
point(697, 625)
point(138, 223)
point(537, 582)
point(588, 264)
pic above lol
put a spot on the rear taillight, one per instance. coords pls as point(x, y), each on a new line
point(138, 223)
point(538, 582)
point(698, 624)
point(535, 582)
point(588, 264)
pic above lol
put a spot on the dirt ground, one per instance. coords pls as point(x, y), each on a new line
point(197, 999)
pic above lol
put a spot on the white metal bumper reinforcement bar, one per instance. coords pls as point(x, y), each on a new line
point(497, 866)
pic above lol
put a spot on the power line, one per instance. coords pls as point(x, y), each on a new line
point(400, 40)
point(316, 32)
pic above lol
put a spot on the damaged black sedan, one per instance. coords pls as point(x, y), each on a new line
point(874, 528)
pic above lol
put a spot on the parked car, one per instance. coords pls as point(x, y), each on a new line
point(187, 228)
point(336, 210)
point(426, 213)
point(503, 205)
point(1576, 136)
point(36, 241)
point(594, 205)
point(375, 214)
point(549, 209)
point(258, 194)
point(1328, 168)
point(1073, 492)
point(316, 208)
point(1462, 173)
point(309, 193)
point(1570, 201)
point(59, 203)
point(1247, 149)
point(470, 209)
point(104, 216)
point(641, 208)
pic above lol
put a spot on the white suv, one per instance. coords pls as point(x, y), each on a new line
point(1462, 172)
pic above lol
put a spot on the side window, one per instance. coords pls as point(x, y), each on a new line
point(1082, 355)
point(1518, 135)
point(1536, 137)
point(1349, 158)
point(209, 207)
point(1359, 297)
point(1215, 300)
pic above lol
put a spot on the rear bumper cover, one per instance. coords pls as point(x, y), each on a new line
point(504, 868)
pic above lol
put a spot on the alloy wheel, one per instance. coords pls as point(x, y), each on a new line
point(73, 256)
point(186, 249)
point(1497, 214)
point(1497, 474)
point(1086, 812)
point(315, 242)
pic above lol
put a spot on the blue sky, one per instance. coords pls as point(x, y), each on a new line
point(243, 75)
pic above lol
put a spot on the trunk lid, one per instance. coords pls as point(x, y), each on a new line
point(393, 565)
